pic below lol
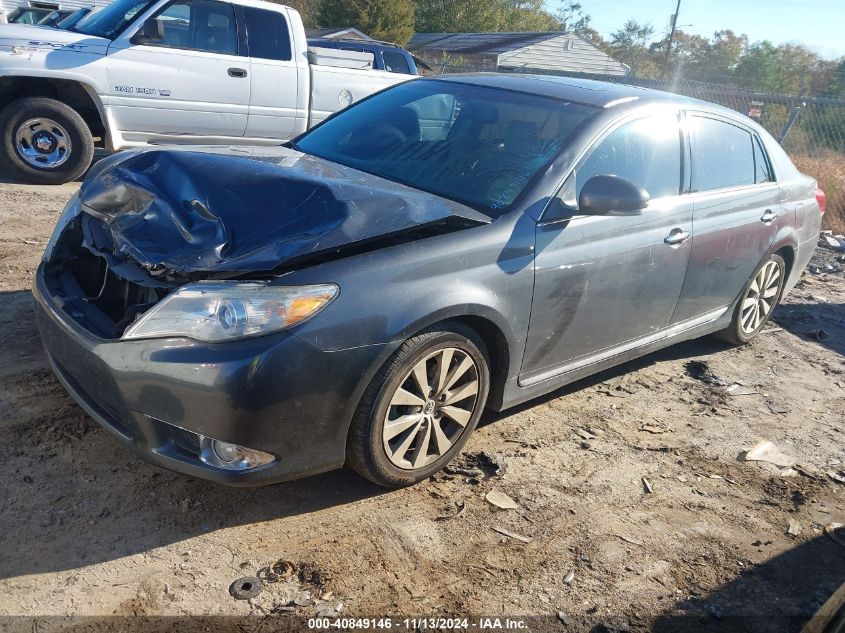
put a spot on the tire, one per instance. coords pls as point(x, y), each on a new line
point(67, 146)
point(742, 329)
point(448, 343)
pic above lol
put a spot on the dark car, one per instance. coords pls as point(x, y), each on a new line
point(446, 245)
point(390, 57)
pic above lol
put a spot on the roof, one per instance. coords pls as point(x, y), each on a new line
point(469, 43)
point(546, 50)
point(586, 91)
point(338, 32)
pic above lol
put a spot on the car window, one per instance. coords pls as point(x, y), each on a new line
point(199, 25)
point(268, 34)
point(646, 151)
point(395, 62)
point(762, 172)
point(477, 145)
point(723, 155)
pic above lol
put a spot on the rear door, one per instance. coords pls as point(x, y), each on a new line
point(274, 77)
point(606, 284)
point(736, 213)
point(190, 79)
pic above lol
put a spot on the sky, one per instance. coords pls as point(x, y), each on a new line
point(817, 24)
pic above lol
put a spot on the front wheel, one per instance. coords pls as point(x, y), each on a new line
point(420, 408)
point(759, 298)
point(44, 141)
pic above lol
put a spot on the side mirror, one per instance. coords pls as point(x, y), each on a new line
point(611, 195)
point(152, 30)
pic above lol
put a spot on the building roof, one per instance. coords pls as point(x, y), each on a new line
point(547, 50)
point(475, 43)
point(338, 32)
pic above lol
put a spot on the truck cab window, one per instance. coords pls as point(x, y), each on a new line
point(268, 34)
point(199, 25)
point(395, 62)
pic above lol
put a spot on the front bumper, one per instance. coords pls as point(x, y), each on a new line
point(275, 393)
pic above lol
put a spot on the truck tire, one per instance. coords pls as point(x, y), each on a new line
point(44, 141)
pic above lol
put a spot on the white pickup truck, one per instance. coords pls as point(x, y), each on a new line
point(142, 72)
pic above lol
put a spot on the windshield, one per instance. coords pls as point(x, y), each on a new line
point(113, 19)
point(478, 146)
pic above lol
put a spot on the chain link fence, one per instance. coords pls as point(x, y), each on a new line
point(811, 129)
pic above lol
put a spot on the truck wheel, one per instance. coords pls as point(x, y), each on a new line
point(420, 408)
point(44, 141)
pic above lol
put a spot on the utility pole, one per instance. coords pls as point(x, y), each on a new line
point(671, 39)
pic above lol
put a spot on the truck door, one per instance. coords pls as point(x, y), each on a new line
point(274, 75)
point(180, 72)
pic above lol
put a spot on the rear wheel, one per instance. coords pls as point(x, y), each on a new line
point(419, 410)
point(761, 295)
point(44, 141)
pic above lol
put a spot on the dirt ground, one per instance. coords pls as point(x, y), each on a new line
point(637, 507)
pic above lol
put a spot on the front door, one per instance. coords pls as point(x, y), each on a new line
point(186, 78)
point(605, 283)
point(274, 77)
point(736, 214)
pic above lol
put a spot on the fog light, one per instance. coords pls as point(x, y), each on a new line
point(231, 456)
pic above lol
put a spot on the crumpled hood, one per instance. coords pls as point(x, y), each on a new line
point(44, 38)
point(189, 211)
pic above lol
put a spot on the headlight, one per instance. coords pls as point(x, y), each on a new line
point(223, 311)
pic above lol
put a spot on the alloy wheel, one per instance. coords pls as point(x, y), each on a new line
point(430, 408)
point(42, 143)
point(761, 297)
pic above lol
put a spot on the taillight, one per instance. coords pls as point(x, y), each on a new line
point(821, 199)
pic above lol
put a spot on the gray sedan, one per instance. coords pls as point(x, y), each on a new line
point(361, 295)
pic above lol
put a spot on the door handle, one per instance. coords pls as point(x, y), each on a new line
point(676, 237)
point(237, 72)
point(768, 216)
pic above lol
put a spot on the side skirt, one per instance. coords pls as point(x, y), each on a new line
point(519, 391)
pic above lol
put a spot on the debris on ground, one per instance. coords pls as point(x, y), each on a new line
point(565, 619)
point(655, 428)
point(278, 571)
point(738, 389)
point(629, 539)
point(700, 370)
point(837, 476)
point(489, 465)
point(513, 535)
point(647, 485)
point(794, 528)
point(461, 510)
point(569, 577)
point(584, 434)
point(245, 588)
point(836, 531)
point(777, 409)
point(501, 500)
point(766, 451)
point(820, 335)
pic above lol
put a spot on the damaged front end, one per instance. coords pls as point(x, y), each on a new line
point(206, 235)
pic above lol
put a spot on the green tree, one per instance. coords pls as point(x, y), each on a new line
point(391, 20)
point(572, 19)
point(307, 9)
point(528, 15)
point(458, 16)
point(630, 46)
